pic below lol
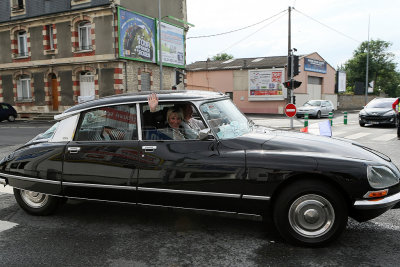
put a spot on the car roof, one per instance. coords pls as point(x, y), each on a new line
point(163, 96)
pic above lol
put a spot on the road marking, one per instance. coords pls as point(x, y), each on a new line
point(6, 189)
point(357, 135)
point(4, 225)
point(337, 133)
point(385, 137)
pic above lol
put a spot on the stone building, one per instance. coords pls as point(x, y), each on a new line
point(54, 54)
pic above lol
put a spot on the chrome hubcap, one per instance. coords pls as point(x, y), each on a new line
point(34, 199)
point(311, 215)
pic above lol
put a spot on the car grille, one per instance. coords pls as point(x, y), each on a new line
point(376, 118)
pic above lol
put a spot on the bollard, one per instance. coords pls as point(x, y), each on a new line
point(305, 120)
point(330, 117)
point(345, 118)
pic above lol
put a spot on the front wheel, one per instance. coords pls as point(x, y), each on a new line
point(362, 124)
point(36, 203)
point(310, 213)
point(11, 118)
point(318, 116)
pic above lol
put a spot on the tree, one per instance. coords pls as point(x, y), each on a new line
point(222, 56)
point(382, 68)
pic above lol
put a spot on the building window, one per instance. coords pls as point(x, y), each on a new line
point(145, 81)
point(17, 5)
point(84, 34)
point(50, 36)
point(87, 87)
point(22, 44)
point(24, 88)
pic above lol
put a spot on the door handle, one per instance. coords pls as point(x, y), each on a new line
point(74, 150)
point(149, 148)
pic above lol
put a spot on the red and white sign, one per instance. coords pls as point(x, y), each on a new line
point(290, 110)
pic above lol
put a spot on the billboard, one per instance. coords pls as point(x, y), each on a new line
point(137, 36)
point(266, 83)
point(314, 65)
point(172, 45)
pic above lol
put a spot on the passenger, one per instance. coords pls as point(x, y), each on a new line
point(173, 128)
point(191, 125)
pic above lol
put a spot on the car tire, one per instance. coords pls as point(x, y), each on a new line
point(362, 124)
point(310, 213)
point(318, 116)
point(36, 203)
point(11, 118)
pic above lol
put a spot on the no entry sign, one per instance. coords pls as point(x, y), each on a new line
point(290, 110)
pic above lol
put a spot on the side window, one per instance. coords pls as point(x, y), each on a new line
point(156, 126)
point(108, 123)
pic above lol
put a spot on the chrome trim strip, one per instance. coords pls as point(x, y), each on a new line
point(139, 122)
point(200, 193)
point(3, 181)
point(381, 203)
point(101, 186)
point(256, 197)
point(29, 179)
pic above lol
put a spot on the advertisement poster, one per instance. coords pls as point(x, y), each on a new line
point(137, 37)
point(172, 44)
point(266, 82)
point(341, 81)
point(314, 65)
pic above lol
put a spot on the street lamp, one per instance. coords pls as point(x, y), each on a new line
point(159, 38)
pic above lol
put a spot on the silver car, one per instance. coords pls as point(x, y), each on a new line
point(316, 109)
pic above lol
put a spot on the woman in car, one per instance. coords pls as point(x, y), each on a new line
point(174, 128)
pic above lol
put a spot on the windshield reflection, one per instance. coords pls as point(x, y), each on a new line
point(225, 120)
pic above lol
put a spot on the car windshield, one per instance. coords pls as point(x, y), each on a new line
point(47, 134)
point(225, 120)
point(380, 104)
point(314, 103)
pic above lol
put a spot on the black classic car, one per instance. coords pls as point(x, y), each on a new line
point(111, 150)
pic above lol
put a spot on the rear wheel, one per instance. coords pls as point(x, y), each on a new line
point(310, 213)
point(36, 203)
point(11, 118)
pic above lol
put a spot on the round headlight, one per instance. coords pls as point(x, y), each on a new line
point(381, 177)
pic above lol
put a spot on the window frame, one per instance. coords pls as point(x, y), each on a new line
point(24, 79)
point(50, 35)
point(87, 26)
point(22, 42)
point(134, 132)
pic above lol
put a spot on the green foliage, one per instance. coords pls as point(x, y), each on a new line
point(382, 68)
point(223, 56)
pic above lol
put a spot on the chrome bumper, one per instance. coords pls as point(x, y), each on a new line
point(386, 202)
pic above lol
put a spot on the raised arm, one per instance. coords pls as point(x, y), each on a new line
point(152, 100)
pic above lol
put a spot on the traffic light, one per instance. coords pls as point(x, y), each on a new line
point(296, 66)
point(292, 84)
point(178, 77)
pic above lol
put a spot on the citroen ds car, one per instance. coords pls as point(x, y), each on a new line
point(110, 149)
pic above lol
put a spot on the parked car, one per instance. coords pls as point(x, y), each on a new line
point(307, 184)
point(7, 112)
point(316, 109)
point(378, 111)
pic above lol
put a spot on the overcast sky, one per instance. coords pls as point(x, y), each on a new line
point(333, 28)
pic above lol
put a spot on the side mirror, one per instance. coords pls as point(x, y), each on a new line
point(205, 134)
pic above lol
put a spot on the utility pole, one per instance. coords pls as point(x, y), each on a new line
point(290, 57)
point(366, 72)
point(159, 44)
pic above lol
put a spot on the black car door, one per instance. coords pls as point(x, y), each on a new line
point(203, 174)
point(101, 161)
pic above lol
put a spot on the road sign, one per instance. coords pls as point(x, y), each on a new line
point(290, 110)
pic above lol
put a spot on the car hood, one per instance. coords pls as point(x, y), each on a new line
point(376, 111)
point(316, 146)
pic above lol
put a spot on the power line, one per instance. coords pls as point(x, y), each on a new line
point(345, 35)
point(223, 33)
point(252, 33)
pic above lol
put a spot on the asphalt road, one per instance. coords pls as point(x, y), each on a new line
point(84, 233)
